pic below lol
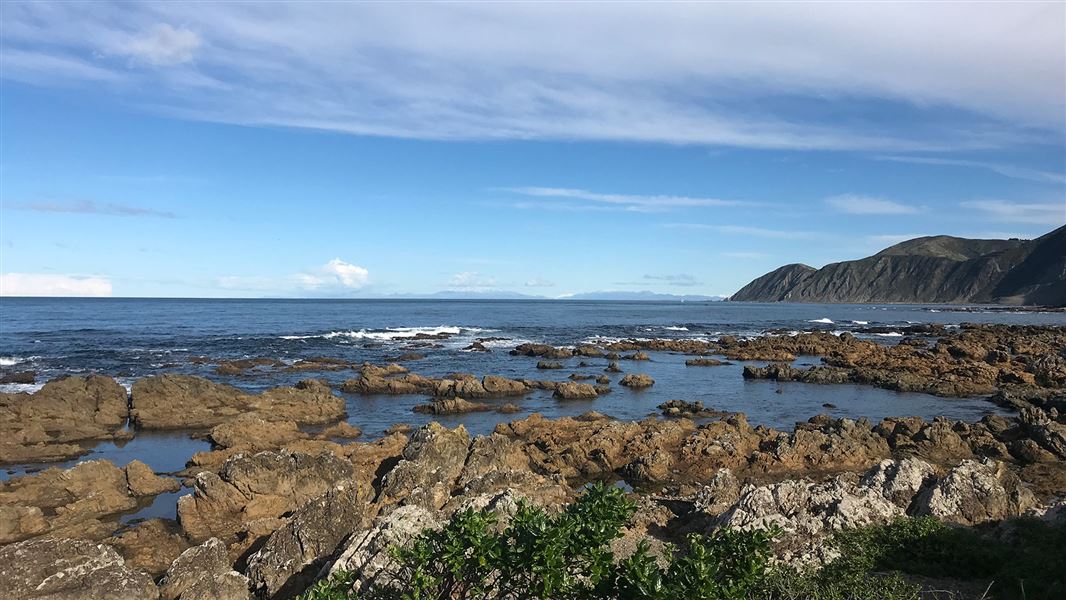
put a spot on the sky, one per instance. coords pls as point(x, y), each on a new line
point(377, 149)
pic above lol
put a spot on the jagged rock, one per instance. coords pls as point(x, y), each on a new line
point(142, 481)
point(677, 408)
point(575, 391)
point(637, 381)
point(294, 554)
point(63, 569)
point(451, 406)
point(976, 492)
point(366, 554)
point(184, 401)
point(501, 386)
point(541, 350)
point(721, 492)
point(549, 364)
point(899, 481)
point(613, 367)
point(431, 463)
point(259, 487)
point(204, 572)
point(1049, 434)
point(40, 426)
point(636, 356)
point(23, 377)
point(603, 380)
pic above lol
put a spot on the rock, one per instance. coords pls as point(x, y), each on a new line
point(613, 367)
point(1048, 434)
point(63, 569)
point(677, 408)
point(575, 391)
point(549, 364)
point(406, 356)
point(541, 350)
point(294, 554)
point(899, 481)
point(262, 487)
point(637, 381)
point(83, 501)
point(637, 356)
point(509, 408)
point(204, 572)
point(603, 380)
point(343, 430)
point(23, 377)
point(184, 401)
point(431, 463)
point(477, 347)
point(976, 492)
point(451, 406)
point(40, 426)
point(501, 386)
point(704, 362)
point(151, 545)
point(367, 554)
point(721, 492)
point(142, 481)
point(581, 377)
point(251, 433)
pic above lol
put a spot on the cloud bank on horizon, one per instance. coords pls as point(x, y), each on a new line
point(729, 136)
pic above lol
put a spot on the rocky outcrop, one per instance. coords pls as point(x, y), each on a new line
point(42, 426)
point(705, 362)
point(250, 493)
point(679, 408)
point(204, 572)
point(937, 269)
point(367, 555)
point(542, 350)
point(83, 501)
point(151, 545)
point(451, 406)
point(393, 382)
point(184, 401)
point(974, 493)
point(575, 391)
point(637, 381)
point(294, 554)
point(64, 569)
point(432, 462)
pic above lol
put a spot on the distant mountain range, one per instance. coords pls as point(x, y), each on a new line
point(936, 269)
point(604, 295)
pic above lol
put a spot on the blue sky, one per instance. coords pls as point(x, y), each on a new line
point(342, 150)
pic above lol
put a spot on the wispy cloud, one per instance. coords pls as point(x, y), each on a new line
point(632, 202)
point(744, 230)
point(857, 204)
point(93, 208)
point(1037, 213)
point(538, 282)
point(605, 74)
point(471, 280)
point(335, 276)
point(37, 284)
point(1012, 171)
point(679, 279)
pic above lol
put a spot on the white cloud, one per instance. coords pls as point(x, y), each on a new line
point(745, 230)
point(161, 45)
point(633, 202)
point(36, 284)
point(471, 280)
point(1012, 171)
point(538, 282)
point(677, 73)
point(336, 273)
point(857, 204)
point(1038, 213)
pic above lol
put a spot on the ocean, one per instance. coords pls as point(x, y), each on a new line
point(133, 338)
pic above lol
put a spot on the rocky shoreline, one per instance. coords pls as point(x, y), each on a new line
point(284, 496)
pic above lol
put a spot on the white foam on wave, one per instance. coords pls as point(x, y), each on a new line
point(675, 328)
point(14, 388)
point(390, 333)
point(825, 320)
point(890, 334)
point(860, 322)
point(10, 361)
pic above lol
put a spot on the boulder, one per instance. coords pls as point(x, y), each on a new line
point(204, 571)
point(250, 433)
point(431, 464)
point(549, 364)
point(142, 481)
point(575, 391)
point(253, 490)
point(451, 406)
point(183, 401)
point(64, 569)
point(704, 362)
point(151, 545)
point(293, 555)
point(637, 381)
point(976, 492)
point(367, 554)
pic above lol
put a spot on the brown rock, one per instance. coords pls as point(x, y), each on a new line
point(637, 381)
point(575, 391)
point(63, 569)
point(150, 545)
